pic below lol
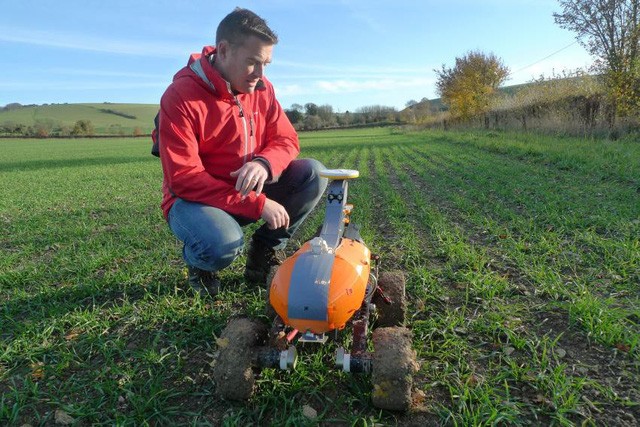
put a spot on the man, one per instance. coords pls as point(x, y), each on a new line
point(228, 155)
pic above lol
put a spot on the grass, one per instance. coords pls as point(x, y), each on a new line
point(522, 256)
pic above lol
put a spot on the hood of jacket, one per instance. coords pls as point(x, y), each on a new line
point(200, 67)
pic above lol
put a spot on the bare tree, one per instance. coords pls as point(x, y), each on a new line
point(610, 31)
point(326, 114)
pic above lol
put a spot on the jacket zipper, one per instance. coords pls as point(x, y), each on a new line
point(252, 141)
point(196, 67)
point(246, 131)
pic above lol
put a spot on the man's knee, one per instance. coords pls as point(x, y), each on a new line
point(212, 238)
point(212, 256)
point(307, 172)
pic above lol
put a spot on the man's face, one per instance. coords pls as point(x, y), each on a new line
point(243, 65)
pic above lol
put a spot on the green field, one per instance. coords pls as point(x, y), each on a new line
point(107, 118)
point(522, 256)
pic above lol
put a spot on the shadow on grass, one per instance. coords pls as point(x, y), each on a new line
point(39, 310)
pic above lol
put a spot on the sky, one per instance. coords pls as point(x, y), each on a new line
point(343, 53)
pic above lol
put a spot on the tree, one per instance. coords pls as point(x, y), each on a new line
point(83, 127)
point(311, 109)
point(312, 122)
point(325, 112)
point(468, 87)
point(43, 127)
point(297, 107)
point(610, 31)
point(295, 116)
point(377, 113)
point(344, 119)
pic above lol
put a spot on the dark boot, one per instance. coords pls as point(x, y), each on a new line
point(260, 259)
point(205, 283)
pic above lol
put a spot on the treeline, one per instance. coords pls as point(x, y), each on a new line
point(15, 106)
point(118, 113)
point(592, 106)
point(572, 103)
point(314, 117)
point(45, 128)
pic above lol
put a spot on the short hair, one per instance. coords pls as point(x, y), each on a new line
point(241, 23)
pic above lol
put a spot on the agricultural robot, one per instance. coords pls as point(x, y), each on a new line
point(333, 280)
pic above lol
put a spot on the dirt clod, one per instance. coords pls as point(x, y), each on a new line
point(233, 371)
point(392, 313)
point(393, 367)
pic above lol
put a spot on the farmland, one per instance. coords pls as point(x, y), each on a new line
point(107, 118)
point(521, 252)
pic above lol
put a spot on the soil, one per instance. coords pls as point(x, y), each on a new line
point(233, 372)
point(393, 311)
point(608, 367)
point(394, 363)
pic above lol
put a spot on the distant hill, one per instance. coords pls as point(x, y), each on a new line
point(107, 118)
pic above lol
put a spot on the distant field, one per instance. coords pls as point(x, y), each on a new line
point(98, 114)
point(522, 255)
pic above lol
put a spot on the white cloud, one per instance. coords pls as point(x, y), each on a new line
point(94, 44)
point(291, 90)
point(381, 85)
point(340, 86)
point(350, 69)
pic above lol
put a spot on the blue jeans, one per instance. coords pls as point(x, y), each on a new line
point(213, 238)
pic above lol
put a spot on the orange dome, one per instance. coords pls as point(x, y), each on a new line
point(318, 289)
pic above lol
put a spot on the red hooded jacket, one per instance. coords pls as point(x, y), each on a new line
point(206, 132)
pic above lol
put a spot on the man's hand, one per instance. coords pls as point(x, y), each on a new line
point(251, 175)
point(275, 215)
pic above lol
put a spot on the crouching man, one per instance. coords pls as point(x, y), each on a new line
point(229, 156)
